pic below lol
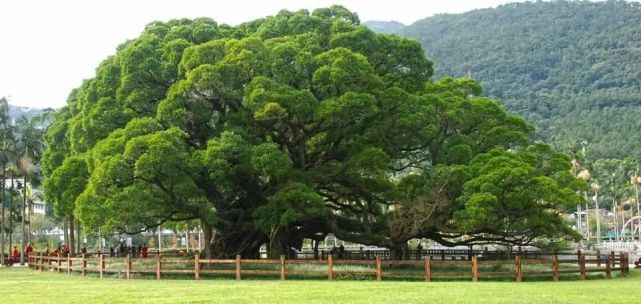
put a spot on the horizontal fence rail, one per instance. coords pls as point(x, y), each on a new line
point(427, 268)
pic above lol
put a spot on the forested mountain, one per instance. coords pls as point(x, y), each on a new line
point(15, 112)
point(573, 68)
point(386, 27)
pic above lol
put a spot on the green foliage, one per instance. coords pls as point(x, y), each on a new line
point(519, 194)
point(285, 128)
point(569, 67)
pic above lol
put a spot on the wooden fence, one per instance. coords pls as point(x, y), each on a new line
point(378, 268)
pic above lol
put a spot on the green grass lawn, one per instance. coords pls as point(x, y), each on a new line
point(22, 285)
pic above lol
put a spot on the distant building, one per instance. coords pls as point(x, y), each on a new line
point(38, 207)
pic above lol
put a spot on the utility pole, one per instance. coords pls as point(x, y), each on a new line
point(595, 188)
point(10, 210)
point(615, 209)
point(24, 209)
point(575, 169)
point(636, 180)
point(585, 175)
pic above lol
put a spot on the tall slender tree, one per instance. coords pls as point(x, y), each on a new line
point(30, 142)
point(6, 135)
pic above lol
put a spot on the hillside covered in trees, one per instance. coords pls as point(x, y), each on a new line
point(571, 68)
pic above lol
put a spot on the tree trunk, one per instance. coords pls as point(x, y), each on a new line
point(245, 243)
point(10, 213)
point(72, 238)
point(29, 212)
point(278, 245)
point(3, 226)
point(396, 252)
point(78, 235)
point(208, 237)
point(65, 232)
point(187, 240)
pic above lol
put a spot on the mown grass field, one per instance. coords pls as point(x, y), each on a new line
point(22, 285)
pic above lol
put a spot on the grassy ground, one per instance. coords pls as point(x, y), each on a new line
point(22, 285)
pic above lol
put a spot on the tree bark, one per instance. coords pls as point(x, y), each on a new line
point(65, 232)
point(72, 239)
point(79, 238)
point(10, 213)
point(2, 227)
point(208, 237)
point(397, 251)
point(245, 243)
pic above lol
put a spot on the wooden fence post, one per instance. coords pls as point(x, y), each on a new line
point(428, 269)
point(238, 267)
point(101, 265)
point(330, 267)
point(379, 272)
point(517, 268)
point(282, 267)
point(608, 267)
point(158, 266)
point(69, 265)
point(627, 263)
point(598, 258)
point(84, 265)
point(197, 266)
point(59, 264)
point(614, 260)
point(582, 266)
point(578, 257)
point(49, 263)
point(128, 266)
point(555, 267)
point(622, 263)
point(475, 269)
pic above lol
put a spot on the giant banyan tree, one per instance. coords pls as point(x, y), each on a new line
point(296, 126)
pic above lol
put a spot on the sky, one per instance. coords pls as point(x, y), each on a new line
point(48, 47)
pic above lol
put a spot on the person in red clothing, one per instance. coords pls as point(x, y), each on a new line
point(29, 250)
point(144, 250)
point(15, 254)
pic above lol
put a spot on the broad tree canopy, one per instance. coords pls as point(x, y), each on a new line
point(292, 127)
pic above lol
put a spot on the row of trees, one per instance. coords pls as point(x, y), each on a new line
point(614, 186)
point(296, 126)
point(21, 145)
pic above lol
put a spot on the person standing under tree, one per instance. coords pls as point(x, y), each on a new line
point(15, 254)
point(144, 250)
point(29, 250)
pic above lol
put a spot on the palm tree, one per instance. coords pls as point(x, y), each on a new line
point(30, 141)
point(6, 154)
